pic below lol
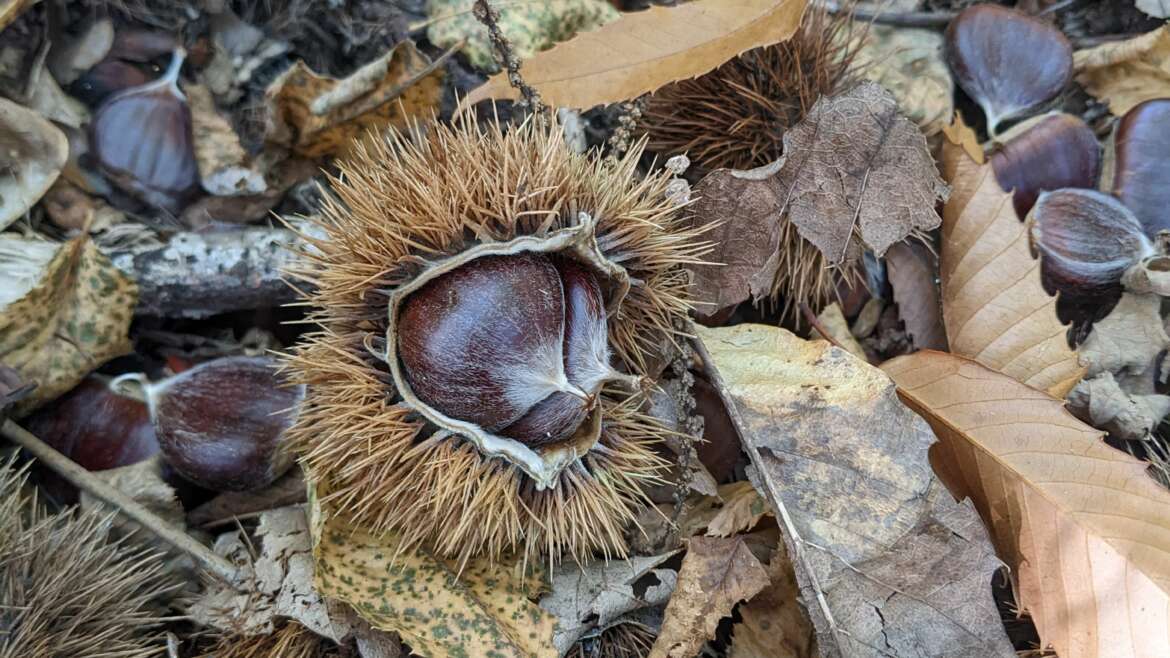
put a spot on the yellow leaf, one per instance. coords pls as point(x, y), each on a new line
point(647, 49)
point(1084, 529)
point(994, 307)
point(1125, 73)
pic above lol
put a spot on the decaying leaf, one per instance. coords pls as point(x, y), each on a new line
point(1125, 73)
point(596, 595)
point(962, 135)
point(64, 310)
point(901, 567)
point(1082, 525)
point(647, 49)
point(320, 116)
point(716, 574)
point(994, 307)
point(1128, 340)
point(743, 507)
point(855, 166)
point(913, 270)
point(773, 623)
point(833, 321)
point(909, 63)
point(34, 153)
point(481, 611)
point(223, 163)
point(529, 25)
point(70, 208)
point(1102, 401)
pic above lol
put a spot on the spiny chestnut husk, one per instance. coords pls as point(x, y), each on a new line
point(488, 303)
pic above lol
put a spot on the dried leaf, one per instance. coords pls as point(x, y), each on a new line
point(773, 623)
point(1125, 73)
point(529, 25)
point(584, 598)
point(743, 507)
point(288, 490)
point(321, 116)
point(1128, 340)
point(72, 316)
point(34, 153)
point(959, 133)
point(834, 322)
point(11, 9)
point(716, 574)
point(648, 49)
point(70, 208)
point(856, 166)
point(913, 271)
point(1100, 400)
point(901, 567)
point(1082, 525)
point(1155, 8)
point(224, 168)
point(909, 63)
point(994, 307)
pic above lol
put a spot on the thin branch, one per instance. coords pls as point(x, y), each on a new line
point(488, 15)
point(132, 509)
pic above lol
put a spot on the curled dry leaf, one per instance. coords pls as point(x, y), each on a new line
point(320, 116)
point(1082, 525)
point(743, 507)
point(648, 49)
point(913, 273)
point(34, 153)
point(1103, 402)
point(995, 308)
point(223, 163)
point(716, 574)
point(901, 568)
point(1125, 73)
point(64, 310)
point(773, 623)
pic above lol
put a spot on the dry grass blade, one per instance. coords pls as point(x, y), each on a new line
point(994, 307)
point(1085, 530)
point(648, 49)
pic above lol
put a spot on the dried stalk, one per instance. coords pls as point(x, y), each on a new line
point(490, 17)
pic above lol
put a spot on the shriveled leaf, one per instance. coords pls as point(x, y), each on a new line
point(909, 63)
point(994, 307)
point(648, 49)
point(599, 593)
point(34, 152)
point(224, 167)
point(716, 574)
point(483, 611)
point(743, 507)
point(1102, 401)
point(529, 25)
point(855, 166)
point(62, 315)
point(1129, 339)
point(913, 270)
point(1125, 73)
point(319, 116)
point(962, 135)
point(773, 623)
point(900, 566)
point(1082, 525)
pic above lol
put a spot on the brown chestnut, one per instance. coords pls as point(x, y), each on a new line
point(1007, 61)
point(515, 344)
point(1058, 152)
point(221, 423)
point(1141, 178)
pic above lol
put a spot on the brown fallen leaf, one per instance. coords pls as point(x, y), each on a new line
point(994, 307)
point(1082, 526)
point(320, 116)
point(647, 49)
point(70, 208)
point(716, 574)
point(1125, 73)
point(913, 270)
point(224, 167)
point(34, 152)
point(773, 623)
point(1102, 402)
point(909, 63)
point(743, 507)
point(833, 321)
point(888, 563)
point(958, 132)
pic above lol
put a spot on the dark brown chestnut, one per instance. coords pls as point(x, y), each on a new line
point(1058, 152)
point(515, 344)
point(1007, 61)
point(221, 423)
point(141, 138)
point(1141, 178)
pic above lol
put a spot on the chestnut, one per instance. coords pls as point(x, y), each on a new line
point(516, 344)
point(1141, 178)
point(221, 423)
point(1058, 152)
point(1007, 61)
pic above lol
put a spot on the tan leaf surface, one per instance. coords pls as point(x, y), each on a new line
point(647, 49)
point(319, 116)
point(909, 63)
point(34, 152)
point(716, 574)
point(858, 167)
point(1085, 530)
point(912, 270)
point(1125, 73)
point(773, 623)
point(1155, 8)
point(958, 132)
point(743, 507)
point(73, 316)
point(994, 307)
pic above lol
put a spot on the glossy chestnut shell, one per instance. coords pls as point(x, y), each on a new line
point(1059, 152)
point(1142, 175)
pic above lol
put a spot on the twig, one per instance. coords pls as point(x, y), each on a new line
point(132, 509)
point(490, 17)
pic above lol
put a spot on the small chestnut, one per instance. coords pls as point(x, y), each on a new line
point(1007, 61)
point(516, 344)
point(1141, 178)
point(221, 423)
point(1058, 152)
